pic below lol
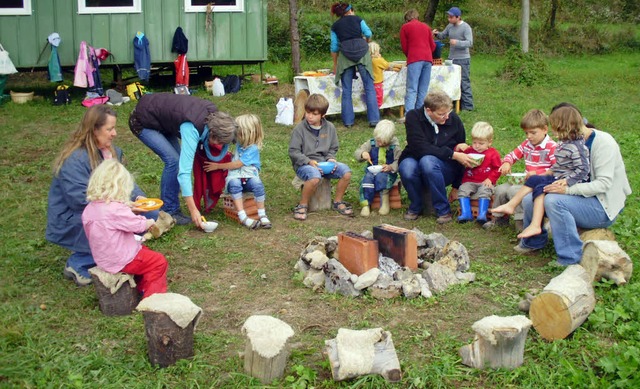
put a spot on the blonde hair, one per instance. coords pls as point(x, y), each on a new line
point(222, 127)
point(249, 130)
point(567, 123)
point(482, 131)
point(84, 137)
point(374, 49)
point(535, 118)
point(384, 132)
point(110, 181)
point(436, 100)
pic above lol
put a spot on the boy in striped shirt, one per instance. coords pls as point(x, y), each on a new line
point(537, 151)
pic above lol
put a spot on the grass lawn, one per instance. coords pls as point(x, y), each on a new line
point(52, 333)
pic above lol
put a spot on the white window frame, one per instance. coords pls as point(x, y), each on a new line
point(24, 10)
point(239, 7)
point(84, 10)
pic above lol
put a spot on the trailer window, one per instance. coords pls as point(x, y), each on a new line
point(108, 6)
point(15, 7)
point(219, 5)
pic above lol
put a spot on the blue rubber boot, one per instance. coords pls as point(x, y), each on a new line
point(483, 206)
point(465, 210)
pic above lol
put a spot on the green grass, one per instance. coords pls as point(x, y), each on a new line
point(53, 335)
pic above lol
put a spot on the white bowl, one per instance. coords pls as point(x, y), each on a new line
point(477, 158)
point(448, 62)
point(374, 169)
point(209, 226)
point(516, 178)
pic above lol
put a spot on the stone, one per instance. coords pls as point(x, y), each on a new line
point(385, 288)
point(424, 288)
point(315, 279)
point(331, 245)
point(353, 279)
point(466, 277)
point(411, 287)
point(367, 279)
point(402, 274)
point(317, 259)
point(439, 277)
point(338, 279)
point(367, 234)
point(454, 256)
point(387, 265)
point(435, 240)
point(302, 266)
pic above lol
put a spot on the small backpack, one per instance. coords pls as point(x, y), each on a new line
point(231, 84)
point(61, 95)
point(135, 90)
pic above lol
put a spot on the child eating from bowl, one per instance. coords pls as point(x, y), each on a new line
point(314, 140)
point(479, 180)
point(381, 150)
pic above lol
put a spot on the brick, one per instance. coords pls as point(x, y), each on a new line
point(357, 253)
point(397, 243)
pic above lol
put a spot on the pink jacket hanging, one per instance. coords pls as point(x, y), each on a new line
point(83, 72)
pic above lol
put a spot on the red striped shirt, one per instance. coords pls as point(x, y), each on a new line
point(536, 158)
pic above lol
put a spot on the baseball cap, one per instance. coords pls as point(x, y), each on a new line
point(454, 11)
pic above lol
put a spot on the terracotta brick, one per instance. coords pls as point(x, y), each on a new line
point(357, 253)
point(395, 201)
point(397, 243)
point(249, 204)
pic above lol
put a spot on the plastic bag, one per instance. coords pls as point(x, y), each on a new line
point(285, 111)
point(135, 90)
point(218, 88)
point(6, 66)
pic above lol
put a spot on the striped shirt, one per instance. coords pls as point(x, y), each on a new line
point(536, 158)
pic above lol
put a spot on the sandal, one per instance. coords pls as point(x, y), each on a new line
point(250, 223)
point(300, 212)
point(346, 209)
point(265, 223)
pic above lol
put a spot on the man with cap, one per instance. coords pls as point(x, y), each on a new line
point(460, 40)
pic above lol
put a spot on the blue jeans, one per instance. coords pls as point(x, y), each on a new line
point(566, 213)
point(81, 263)
point(466, 96)
point(433, 173)
point(308, 172)
point(418, 78)
point(372, 184)
point(167, 147)
point(348, 116)
point(236, 187)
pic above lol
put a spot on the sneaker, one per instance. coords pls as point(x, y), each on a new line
point(180, 219)
point(523, 250)
point(444, 219)
point(71, 274)
point(410, 216)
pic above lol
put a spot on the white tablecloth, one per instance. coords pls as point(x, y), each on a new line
point(445, 78)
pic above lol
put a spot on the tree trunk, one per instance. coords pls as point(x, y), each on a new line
point(430, 14)
point(266, 347)
point(563, 304)
point(605, 259)
point(524, 29)
point(295, 36)
point(499, 342)
point(555, 5)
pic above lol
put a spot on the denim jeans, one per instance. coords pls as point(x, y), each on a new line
point(418, 78)
point(466, 96)
point(566, 213)
point(431, 172)
point(81, 263)
point(167, 147)
point(307, 172)
point(235, 187)
point(372, 184)
point(348, 116)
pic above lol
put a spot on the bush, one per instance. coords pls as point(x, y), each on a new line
point(524, 68)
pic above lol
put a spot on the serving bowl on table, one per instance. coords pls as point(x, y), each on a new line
point(326, 167)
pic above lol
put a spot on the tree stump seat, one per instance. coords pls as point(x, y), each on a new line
point(321, 199)
point(117, 293)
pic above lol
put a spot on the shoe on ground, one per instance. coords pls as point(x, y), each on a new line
point(523, 250)
point(444, 219)
point(180, 219)
point(71, 274)
point(496, 222)
point(410, 216)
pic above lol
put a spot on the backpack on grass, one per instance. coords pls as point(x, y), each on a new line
point(232, 84)
point(61, 95)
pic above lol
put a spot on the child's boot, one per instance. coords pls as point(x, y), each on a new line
point(366, 211)
point(483, 206)
point(465, 210)
point(384, 202)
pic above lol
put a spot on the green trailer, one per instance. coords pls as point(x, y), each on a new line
point(234, 32)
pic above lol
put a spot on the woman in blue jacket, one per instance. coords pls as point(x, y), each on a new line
point(87, 147)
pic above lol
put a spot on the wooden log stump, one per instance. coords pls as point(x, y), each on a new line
point(564, 304)
point(170, 320)
point(266, 349)
point(499, 342)
point(356, 353)
point(596, 234)
point(321, 199)
point(117, 293)
point(605, 259)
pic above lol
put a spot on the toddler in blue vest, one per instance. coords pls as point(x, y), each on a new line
point(381, 150)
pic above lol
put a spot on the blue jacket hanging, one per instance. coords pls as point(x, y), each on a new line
point(141, 56)
point(54, 68)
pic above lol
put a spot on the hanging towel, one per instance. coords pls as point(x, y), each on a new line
point(54, 68)
point(141, 56)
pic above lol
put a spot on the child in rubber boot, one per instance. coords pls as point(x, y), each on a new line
point(381, 150)
point(481, 179)
point(244, 170)
point(315, 140)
